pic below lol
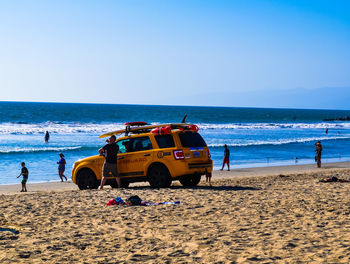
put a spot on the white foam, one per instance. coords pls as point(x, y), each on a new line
point(323, 125)
point(59, 128)
point(43, 149)
point(100, 128)
point(275, 142)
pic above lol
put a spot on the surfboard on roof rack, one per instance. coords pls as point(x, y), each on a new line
point(138, 123)
point(143, 129)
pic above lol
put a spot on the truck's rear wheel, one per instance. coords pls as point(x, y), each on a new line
point(159, 176)
point(190, 180)
point(86, 179)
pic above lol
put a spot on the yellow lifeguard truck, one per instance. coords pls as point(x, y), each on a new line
point(158, 154)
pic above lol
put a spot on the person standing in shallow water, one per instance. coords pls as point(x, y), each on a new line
point(61, 167)
point(47, 137)
point(318, 151)
point(226, 158)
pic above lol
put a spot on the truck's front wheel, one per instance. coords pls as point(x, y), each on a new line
point(86, 179)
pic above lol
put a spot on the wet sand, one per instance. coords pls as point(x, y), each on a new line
point(260, 215)
point(233, 174)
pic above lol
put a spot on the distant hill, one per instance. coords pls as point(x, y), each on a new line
point(321, 98)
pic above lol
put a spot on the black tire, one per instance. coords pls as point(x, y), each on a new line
point(86, 179)
point(123, 183)
point(159, 176)
point(190, 180)
point(113, 183)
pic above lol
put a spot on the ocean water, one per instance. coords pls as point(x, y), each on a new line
point(256, 137)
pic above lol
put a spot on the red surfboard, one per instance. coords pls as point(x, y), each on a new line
point(138, 123)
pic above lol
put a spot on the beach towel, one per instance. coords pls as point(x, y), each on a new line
point(149, 203)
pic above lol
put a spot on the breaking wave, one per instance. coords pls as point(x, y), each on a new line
point(276, 126)
point(276, 142)
point(100, 128)
point(39, 149)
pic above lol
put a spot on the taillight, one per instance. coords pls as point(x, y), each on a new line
point(209, 155)
point(193, 128)
point(179, 154)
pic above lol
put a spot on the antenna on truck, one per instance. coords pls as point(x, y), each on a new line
point(184, 119)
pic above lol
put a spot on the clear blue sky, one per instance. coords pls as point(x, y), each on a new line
point(160, 52)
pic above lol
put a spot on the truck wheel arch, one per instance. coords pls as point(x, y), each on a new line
point(154, 164)
point(159, 176)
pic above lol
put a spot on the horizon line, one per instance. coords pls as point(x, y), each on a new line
point(177, 105)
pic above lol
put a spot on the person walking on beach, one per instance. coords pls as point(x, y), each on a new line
point(226, 158)
point(110, 151)
point(24, 173)
point(47, 137)
point(208, 177)
point(61, 167)
point(318, 151)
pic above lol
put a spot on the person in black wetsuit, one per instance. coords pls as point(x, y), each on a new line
point(110, 151)
point(47, 136)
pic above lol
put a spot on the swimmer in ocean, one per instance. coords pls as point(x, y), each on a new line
point(47, 136)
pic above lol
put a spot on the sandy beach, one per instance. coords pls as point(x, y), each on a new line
point(257, 215)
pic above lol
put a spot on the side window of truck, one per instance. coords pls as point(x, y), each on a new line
point(165, 141)
point(124, 145)
point(140, 144)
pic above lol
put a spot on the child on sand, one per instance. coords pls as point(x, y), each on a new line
point(318, 151)
point(24, 173)
point(208, 177)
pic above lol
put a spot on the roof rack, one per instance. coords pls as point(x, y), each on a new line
point(143, 129)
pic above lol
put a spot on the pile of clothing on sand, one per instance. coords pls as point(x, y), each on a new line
point(135, 200)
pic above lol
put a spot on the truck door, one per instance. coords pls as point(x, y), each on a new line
point(134, 154)
point(123, 156)
point(140, 153)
